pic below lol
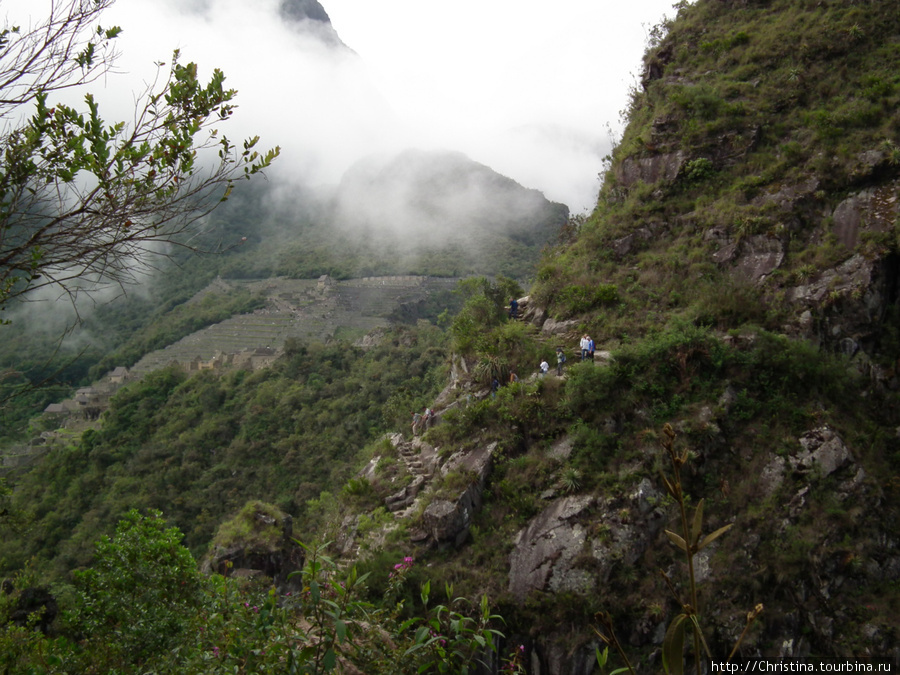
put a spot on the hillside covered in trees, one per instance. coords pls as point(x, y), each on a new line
point(720, 477)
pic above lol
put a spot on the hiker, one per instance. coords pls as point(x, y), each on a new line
point(417, 418)
point(513, 378)
point(429, 417)
point(585, 346)
point(591, 348)
point(513, 308)
point(560, 360)
point(495, 385)
point(545, 367)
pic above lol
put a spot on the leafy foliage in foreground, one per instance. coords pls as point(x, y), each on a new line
point(143, 607)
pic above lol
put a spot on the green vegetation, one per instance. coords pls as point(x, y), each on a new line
point(777, 419)
point(143, 607)
point(200, 446)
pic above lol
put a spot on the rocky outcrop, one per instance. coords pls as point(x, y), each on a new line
point(261, 544)
point(655, 169)
point(447, 518)
point(553, 327)
point(574, 544)
point(870, 210)
point(823, 453)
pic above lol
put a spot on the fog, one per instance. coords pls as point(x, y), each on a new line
point(530, 89)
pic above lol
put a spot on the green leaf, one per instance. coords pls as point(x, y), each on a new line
point(678, 541)
point(697, 525)
point(330, 660)
point(710, 538)
point(673, 646)
point(340, 628)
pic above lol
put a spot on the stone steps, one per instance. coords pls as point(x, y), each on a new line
point(420, 461)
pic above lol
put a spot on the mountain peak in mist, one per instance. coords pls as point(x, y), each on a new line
point(441, 195)
point(300, 10)
point(310, 16)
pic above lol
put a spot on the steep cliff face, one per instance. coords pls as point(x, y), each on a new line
point(762, 151)
point(757, 187)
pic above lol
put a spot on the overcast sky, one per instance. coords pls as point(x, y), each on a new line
point(529, 88)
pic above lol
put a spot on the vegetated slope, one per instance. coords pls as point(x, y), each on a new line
point(199, 447)
point(741, 265)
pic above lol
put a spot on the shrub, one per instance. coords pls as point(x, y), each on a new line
point(137, 597)
point(578, 299)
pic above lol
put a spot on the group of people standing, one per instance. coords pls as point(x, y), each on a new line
point(587, 353)
point(587, 347)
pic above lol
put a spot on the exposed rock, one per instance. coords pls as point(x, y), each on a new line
point(772, 476)
point(561, 449)
point(553, 327)
point(787, 196)
point(551, 552)
point(531, 312)
point(726, 246)
point(823, 452)
point(604, 357)
point(448, 519)
point(874, 210)
point(751, 258)
point(268, 548)
point(758, 257)
point(853, 276)
point(545, 549)
point(371, 339)
point(654, 169)
point(627, 244)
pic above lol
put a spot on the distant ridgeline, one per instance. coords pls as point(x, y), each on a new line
point(306, 309)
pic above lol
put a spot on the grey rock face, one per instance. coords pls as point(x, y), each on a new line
point(872, 210)
point(544, 550)
point(823, 452)
point(562, 549)
point(650, 169)
point(448, 519)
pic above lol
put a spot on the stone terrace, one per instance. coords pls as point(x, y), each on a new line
point(307, 309)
